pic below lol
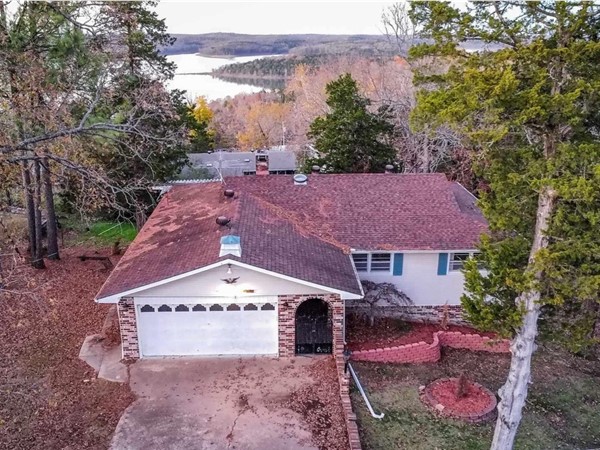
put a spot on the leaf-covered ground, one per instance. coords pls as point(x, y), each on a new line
point(48, 397)
point(563, 407)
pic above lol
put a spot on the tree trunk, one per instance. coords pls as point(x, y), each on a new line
point(51, 226)
point(38, 255)
point(372, 316)
point(514, 391)
point(30, 207)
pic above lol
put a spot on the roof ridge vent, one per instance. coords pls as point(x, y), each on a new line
point(300, 179)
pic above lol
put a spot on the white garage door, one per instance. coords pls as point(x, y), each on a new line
point(207, 329)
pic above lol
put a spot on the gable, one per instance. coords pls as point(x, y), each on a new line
point(209, 283)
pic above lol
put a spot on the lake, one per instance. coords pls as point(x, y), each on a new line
point(211, 88)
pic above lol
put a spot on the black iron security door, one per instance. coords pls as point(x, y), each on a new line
point(314, 327)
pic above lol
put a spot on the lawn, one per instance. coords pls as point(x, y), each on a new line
point(101, 233)
point(563, 407)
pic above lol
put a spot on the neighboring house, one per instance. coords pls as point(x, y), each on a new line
point(267, 265)
point(231, 163)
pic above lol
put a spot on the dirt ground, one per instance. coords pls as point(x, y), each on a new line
point(562, 410)
point(48, 397)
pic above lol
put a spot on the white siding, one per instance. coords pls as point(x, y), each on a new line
point(210, 283)
point(420, 281)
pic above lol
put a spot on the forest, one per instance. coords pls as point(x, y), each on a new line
point(233, 44)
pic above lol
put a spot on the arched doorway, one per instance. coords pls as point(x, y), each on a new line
point(314, 330)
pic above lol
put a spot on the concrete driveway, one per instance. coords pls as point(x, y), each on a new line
point(214, 403)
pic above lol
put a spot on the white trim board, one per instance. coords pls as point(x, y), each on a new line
point(115, 297)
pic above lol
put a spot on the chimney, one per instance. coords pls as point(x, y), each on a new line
point(230, 245)
point(315, 169)
point(262, 164)
point(389, 168)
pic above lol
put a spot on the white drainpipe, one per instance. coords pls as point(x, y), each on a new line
point(360, 388)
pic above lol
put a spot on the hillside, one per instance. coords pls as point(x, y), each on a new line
point(232, 44)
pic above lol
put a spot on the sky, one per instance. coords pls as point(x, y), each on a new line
point(280, 17)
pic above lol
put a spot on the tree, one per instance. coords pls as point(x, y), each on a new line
point(265, 126)
point(199, 118)
point(351, 138)
point(69, 97)
point(398, 27)
point(376, 293)
point(531, 109)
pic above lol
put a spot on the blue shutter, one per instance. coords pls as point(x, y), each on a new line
point(443, 264)
point(398, 262)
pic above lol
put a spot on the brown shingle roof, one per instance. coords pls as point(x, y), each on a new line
point(305, 232)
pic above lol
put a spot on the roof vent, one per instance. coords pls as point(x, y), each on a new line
point(229, 193)
point(389, 168)
point(222, 221)
point(300, 179)
point(315, 169)
point(231, 245)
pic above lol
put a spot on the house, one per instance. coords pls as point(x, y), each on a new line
point(268, 265)
point(274, 161)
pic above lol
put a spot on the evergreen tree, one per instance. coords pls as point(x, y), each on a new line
point(143, 73)
point(531, 108)
point(351, 138)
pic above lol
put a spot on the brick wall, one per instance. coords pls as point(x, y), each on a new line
point(287, 305)
point(349, 416)
point(474, 342)
point(422, 352)
point(414, 313)
point(128, 327)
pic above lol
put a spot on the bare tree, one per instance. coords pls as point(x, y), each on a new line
point(398, 27)
point(378, 293)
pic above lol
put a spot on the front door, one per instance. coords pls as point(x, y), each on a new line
point(314, 327)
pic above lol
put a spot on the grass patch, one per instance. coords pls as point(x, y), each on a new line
point(101, 233)
point(111, 231)
point(562, 412)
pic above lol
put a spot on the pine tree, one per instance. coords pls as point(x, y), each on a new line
point(531, 108)
point(351, 138)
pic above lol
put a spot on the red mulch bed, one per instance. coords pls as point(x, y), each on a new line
point(389, 332)
point(476, 400)
point(49, 399)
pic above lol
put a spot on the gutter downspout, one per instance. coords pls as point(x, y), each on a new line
point(360, 388)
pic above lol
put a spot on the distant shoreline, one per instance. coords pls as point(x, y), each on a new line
point(203, 55)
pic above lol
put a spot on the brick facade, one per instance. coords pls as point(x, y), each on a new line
point(349, 415)
point(128, 327)
point(287, 306)
point(415, 313)
point(422, 352)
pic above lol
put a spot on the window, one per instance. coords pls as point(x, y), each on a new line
point(373, 262)
point(164, 308)
point(181, 308)
point(147, 308)
point(380, 262)
point(457, 260)
point(361, 261)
